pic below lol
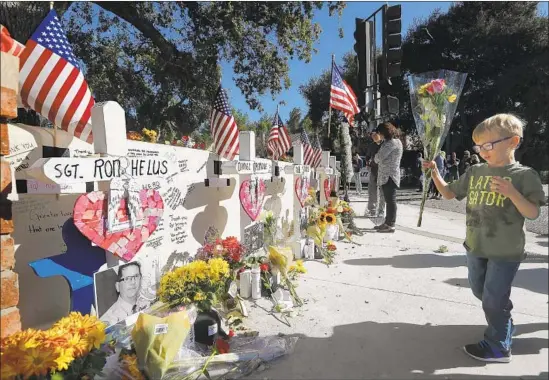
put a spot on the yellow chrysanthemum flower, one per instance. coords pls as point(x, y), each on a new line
point(95, 338)
point(36, 361)
point(64, 358)
point(199, 296)
point(218, 269)
point(452, 98)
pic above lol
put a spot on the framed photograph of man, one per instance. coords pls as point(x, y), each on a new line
point(123, 291)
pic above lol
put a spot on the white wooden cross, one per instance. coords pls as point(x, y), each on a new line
point(325, 171)
point(109, 162)
point(246, 163)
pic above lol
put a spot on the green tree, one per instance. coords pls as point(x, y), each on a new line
point(294, 121)
point(503, 47)
point(160, 60)
point(242, 120)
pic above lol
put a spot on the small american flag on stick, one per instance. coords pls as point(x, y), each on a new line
point(342, 96)
point(223, 127)
point(272, 142)
point(284, 140)
point(51, 81)
point(317, 152)
point(308, 151)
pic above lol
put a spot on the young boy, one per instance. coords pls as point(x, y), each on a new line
point(500, 193)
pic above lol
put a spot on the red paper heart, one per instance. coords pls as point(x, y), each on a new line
point(90, 213)
point(327, 186)
point(301, 189)
point(252, 199)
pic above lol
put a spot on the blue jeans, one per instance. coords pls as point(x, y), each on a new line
point(490, 281)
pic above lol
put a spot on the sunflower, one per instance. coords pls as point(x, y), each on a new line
point(322, 217)
point(330, 218)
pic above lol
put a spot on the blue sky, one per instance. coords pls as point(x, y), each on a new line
point(329, 43)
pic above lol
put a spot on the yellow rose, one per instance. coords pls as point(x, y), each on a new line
point(452, 98)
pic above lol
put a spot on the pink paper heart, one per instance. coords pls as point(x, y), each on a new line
point(301, 189)
point(90, 213)
point(327, 189)
point(252, 199)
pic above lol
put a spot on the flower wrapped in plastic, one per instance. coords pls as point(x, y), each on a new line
point(434, 98)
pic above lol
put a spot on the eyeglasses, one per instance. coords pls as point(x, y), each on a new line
point(131, 278)
point(490, 145)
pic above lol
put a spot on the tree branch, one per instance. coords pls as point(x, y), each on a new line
point(128, 12)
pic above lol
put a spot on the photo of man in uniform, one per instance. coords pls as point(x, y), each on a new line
point(128, 287)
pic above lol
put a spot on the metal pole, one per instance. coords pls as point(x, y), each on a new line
point(373, 14)
point(329, 105)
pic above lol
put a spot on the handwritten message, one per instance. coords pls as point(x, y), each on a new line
point(178, 229)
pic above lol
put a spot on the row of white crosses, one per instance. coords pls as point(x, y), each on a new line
point(110, 162)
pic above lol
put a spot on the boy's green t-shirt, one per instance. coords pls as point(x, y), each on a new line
point(495, 228)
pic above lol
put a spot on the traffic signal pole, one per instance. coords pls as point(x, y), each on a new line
point(375, 78)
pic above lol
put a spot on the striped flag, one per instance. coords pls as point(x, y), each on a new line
point(284, 140)
point(223, 127)
point(342, 96)
point(308, 152)
point(8, 44)
point(51, 81)
point(272, 142)
point(317, 151)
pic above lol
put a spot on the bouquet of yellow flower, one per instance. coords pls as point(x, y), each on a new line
point(319, 220)
point(199, 282)
point(434, 97)
point(70, 349)
point(280, 262)
point(151, 134)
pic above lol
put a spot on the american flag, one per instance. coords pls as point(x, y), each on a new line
point(51, 81)
point(284, 140)
point(223, 127)
point(272, 142)
point(308, 151)
point(342, 96)
point(317, 151)
point(8, 44)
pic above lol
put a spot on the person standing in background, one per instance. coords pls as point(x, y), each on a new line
point(376, 201)
point(357, 167)
point(388, 177)
point(453, 168)
point(465, 162)
point(475, 160)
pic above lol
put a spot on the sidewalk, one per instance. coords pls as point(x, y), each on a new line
point(393, 308)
